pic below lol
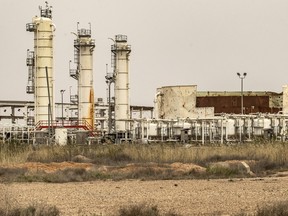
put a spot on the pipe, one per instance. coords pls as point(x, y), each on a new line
point(54, 26)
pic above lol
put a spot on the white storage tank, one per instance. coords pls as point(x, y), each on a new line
point(176, 128)
point(152, 129)
point(230, 127)
point(266, 123)
point(163, 130)
point(248, 123)
point(186, 125)
point(196, 129)
point(274, 122)
point(61, 136)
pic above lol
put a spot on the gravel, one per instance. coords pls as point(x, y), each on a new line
point(185, 197)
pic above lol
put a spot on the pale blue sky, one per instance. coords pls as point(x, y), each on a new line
point(174, 42)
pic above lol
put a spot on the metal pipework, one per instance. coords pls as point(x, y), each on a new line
point(110, 78)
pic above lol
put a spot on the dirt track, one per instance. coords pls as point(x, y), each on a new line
point(187, 197)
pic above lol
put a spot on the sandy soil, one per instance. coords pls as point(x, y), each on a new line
point(187, 197)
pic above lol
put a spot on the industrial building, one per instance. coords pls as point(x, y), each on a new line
point(180, 113)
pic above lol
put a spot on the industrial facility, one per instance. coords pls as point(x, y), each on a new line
point(180, 113)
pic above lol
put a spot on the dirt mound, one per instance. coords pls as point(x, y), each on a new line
point(49, 167)
point(176, 168)
point(187, 167)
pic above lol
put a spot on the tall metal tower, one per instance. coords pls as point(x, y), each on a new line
point(40, 65)
point(83, 58)
point(120, 59)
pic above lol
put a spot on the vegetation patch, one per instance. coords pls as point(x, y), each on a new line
point(263, 159)
point(143, 209)
point(276, 209)
point(31, 210)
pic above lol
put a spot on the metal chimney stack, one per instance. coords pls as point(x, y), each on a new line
point(40, 64)
point(120, 59)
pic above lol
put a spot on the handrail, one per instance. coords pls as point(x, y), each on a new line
point(55, 123)
point(67, 124)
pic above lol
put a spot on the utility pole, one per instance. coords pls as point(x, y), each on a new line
point(242, 77)
point(62, 116)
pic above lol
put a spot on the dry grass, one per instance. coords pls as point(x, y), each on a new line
point(143, 209)
point(279, 208)
point(10, 207)
point(264, 159)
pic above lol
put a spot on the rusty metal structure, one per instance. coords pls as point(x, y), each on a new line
point(230, 102)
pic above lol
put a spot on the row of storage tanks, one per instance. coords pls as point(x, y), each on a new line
point(227, 127)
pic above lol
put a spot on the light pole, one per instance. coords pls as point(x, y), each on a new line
point(62, 92)
point(242, 77)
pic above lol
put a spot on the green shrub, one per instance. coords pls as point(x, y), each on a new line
point(218, 171)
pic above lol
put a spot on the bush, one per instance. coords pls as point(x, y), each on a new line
point(276, 209)
point(32, 210)
point(221, 172)
point(142, 210)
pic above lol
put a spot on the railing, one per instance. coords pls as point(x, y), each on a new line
point(31, 27)
point(74, 73)
point(74, 99)
point(66, 124)
point(59, 123)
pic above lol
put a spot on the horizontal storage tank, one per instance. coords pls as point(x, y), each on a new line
point(264, 123)
point(176, 128)
point(274, 122)
point(163, 130)
point(261, 124)
point(248, 123)
point(179, 126)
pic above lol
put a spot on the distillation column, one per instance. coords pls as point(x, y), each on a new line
point(120, 52)
point(83, 58)
point(40, 64)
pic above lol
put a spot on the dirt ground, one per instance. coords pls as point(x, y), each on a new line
point(187, 197)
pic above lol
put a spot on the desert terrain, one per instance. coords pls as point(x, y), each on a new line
point(185, 197)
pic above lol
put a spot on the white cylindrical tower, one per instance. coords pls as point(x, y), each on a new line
point(84, 47)
point(121, 51)
point(41, 81)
